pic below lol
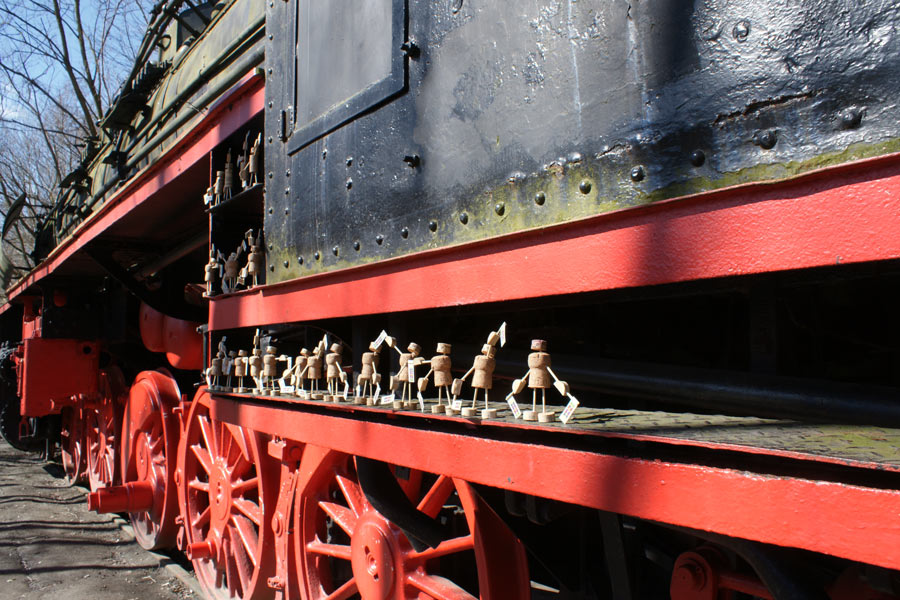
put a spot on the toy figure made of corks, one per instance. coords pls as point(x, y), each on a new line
point(440, 365)
point(482, 372)
point(408, 361)
point(539, 377)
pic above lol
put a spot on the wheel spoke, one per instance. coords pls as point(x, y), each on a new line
point(242, 486)
point(434, 500)
point(237, 434)
point(247, 535)
point(437, 587)
point(459, 544)
point(253, 511)
point(203, 458)
point(198, 485)
point(333, 550)
point(352, 493)
point(230, 568)
point(208, 435)
point(201, 519)
point(242, 560)
point(343, 516)
point(343, 592)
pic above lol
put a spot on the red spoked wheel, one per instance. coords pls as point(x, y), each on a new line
point(71, 442)
point(346, 549)
point(227, 486)
point(102, 420)
point(150, 433)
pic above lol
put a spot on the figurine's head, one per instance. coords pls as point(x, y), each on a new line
point(242, 353)
point(489, 350)
point(304, 352)
point(232, 353)
point(337, 347)
point(256, 352)
point(414, 348)
point(539, 345)
point(232, 256)
point(220, 354)
point(270, 350)
point(443, 348)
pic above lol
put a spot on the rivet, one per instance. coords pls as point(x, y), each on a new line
point(287, 173)
point(270, 35)
point(585, 186)
point(356, 245)
point(637, 173)
point(271, 174)
point(851, 118)
point(379, 239)
point(500, 208)
point(287, 191)
point(455, 6)
point(404, 233)
point(316, 255)
point(270, 139)
point(270, 70)
point(698, 158)
point(432, 225)
point(287, 210)
point(324, 153)
point(334, 250)
point(765, 139)
point(270, 104)
point(270, 245)
point(463, 218)
point(299, 260)
point(741, 31)
point(349, 183)
point(540, 198)
point(286, 263)
point(349, 161)
point(271, 210)
point(272, 268)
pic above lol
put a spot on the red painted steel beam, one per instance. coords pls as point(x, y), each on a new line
point(852, 522)
point(239, 105)
point(844, 214)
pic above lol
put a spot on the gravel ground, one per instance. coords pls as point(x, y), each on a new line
point(51, 546)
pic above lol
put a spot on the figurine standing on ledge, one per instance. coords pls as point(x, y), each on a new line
point(256, 364)
point(313, 371)
point(228, 179)
point(219, 189)
point(256, 261)
point(539, 378)
point(230, 272)
point(408, 362)
point(333, 372)
point(368, 376)
point(483, 377)
point(440, 366)
point(229, 368)
point(298, 372)
point(270, 368)
point(213, 271)
point(253, 167)
point(240, 370)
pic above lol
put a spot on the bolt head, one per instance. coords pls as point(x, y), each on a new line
point(540, 198)
point(356, 245)
point(585, 186)
point(334, 250)
point(637, 173)
point(379, 239)
point(404, 233)
point(316, 255)
point(463, 218)
point(698, 157)
point(432, 225)
point(500, 208)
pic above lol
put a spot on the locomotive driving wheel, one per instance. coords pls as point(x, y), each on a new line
point(71, 445)
point(227, 488)
point(345, 548)
point(102, 419)
point(149, 452)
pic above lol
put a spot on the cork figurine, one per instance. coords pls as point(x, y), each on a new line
point(230, 272)
point(408, 362)
point(240, 370)
point(208, 196)
point(298, 373)
point(214, 372)
point(243, 163)
point(256, 365)
point(229, 369)
point(253, 167)
point(313, 371)
point(368, 376)
point(270, 369)
point(440, 366)
point(228, 177)
point(334, 374)
point(256, 261)
point(539, 377)
point(482, 372)
point(214, 270)
point(219, 187)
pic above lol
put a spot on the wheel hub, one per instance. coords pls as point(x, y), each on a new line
point(220, 495)
point(372, 558)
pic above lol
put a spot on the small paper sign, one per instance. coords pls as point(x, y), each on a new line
point(387, 398)
point(514, 406)
point(380, 339)
point(421, 401)
point(503, 334)
point(282, 384)
point(288, 389)
point(457, 405)
point(410, 371)
point(346, 389)
point(569, 410)
point(377, 392)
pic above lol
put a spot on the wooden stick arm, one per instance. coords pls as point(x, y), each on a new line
point(469, 372)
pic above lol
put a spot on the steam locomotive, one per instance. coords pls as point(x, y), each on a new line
point(692, 206)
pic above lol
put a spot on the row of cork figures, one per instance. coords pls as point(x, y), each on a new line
point(228, 274)
point(303, 374)
point(247, 168)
